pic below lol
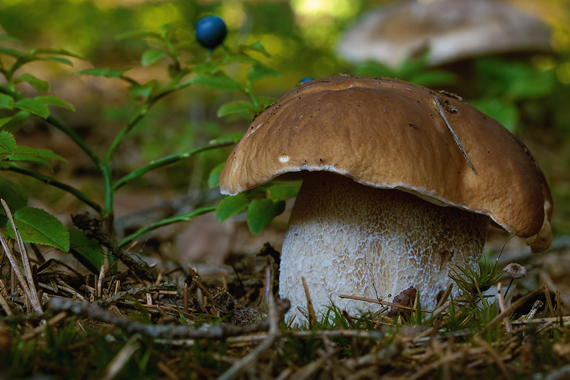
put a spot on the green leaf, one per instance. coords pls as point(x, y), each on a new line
point(87, 251)
point(7, 142)
point(5, 120)
point(53, 101)
point(104, 72)
point(6, 102)
point(219, 81)
point(281, 192)
point(58, 59)
point(262, 211)
point(7, 37)
point(137, 91)
point(38, 84)
point(44, 153)
point(237, 106)
point(433, 77)
point(151, 56)
point(34, 106)
point(55, 52)
point(533, 85)
point(505, 113)
point(214, 178)
point(40, 227)
point(137, 34)
point(230, 206)
point(30, 159)
point(15, 122)
point(259, 71)
point(256, 46)
point(14, 195)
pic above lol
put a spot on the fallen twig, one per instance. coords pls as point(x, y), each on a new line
point(385, 303)
point(92, 228)
point(162, 331)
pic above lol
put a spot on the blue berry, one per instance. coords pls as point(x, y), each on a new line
point(306, 79)
point(211, 31)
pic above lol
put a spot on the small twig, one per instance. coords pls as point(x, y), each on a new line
point(541, 320)
point(92, 228)
point(483, 343)
point(385, 303)
point(27, 268)
point(38, 330)
point(5, 306)
point(422, 372)
point(559, 305)
point(312, 316)
point(167, 371)
point(121, 296)
point(445, 296)
point(454, 135)
point(195, 279)
point(16, 270)
point(122, 357)
point(502, 306)
point(220, 331)
point(250, 358)
point(100, 282)
point(309, 371)
point(549, 302)
point(515, 305)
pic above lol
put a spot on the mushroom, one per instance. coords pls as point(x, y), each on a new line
point(388, 199)
point(451, 30)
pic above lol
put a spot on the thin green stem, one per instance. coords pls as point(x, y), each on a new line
point(53, 182)
point(251, 96)
point(78, 140)
point(167, 161)
point(165, 222)
point(109, 191)
point(141, 112)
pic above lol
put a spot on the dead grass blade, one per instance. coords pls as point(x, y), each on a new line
point(312, 316)
point(122, 357)
point(250, 358)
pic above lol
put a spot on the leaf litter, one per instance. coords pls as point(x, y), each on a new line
point(134, 320)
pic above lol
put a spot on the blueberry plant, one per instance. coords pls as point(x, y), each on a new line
point(207, 67)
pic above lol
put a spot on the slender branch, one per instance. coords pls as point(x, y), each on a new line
point(220, 331)
point(167, 161)
point(165, 222)
point(454, 135)
point(55, 183)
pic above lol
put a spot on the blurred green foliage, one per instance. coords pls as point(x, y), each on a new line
point(528, 96)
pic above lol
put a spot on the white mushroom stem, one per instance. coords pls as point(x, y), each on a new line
point(347, 238)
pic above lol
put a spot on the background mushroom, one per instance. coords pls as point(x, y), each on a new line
point(450, 29)
point(388, 200)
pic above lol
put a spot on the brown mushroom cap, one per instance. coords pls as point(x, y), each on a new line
point(451, 29)
point(387, 133)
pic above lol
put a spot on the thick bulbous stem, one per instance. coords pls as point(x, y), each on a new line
point(347, 238)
